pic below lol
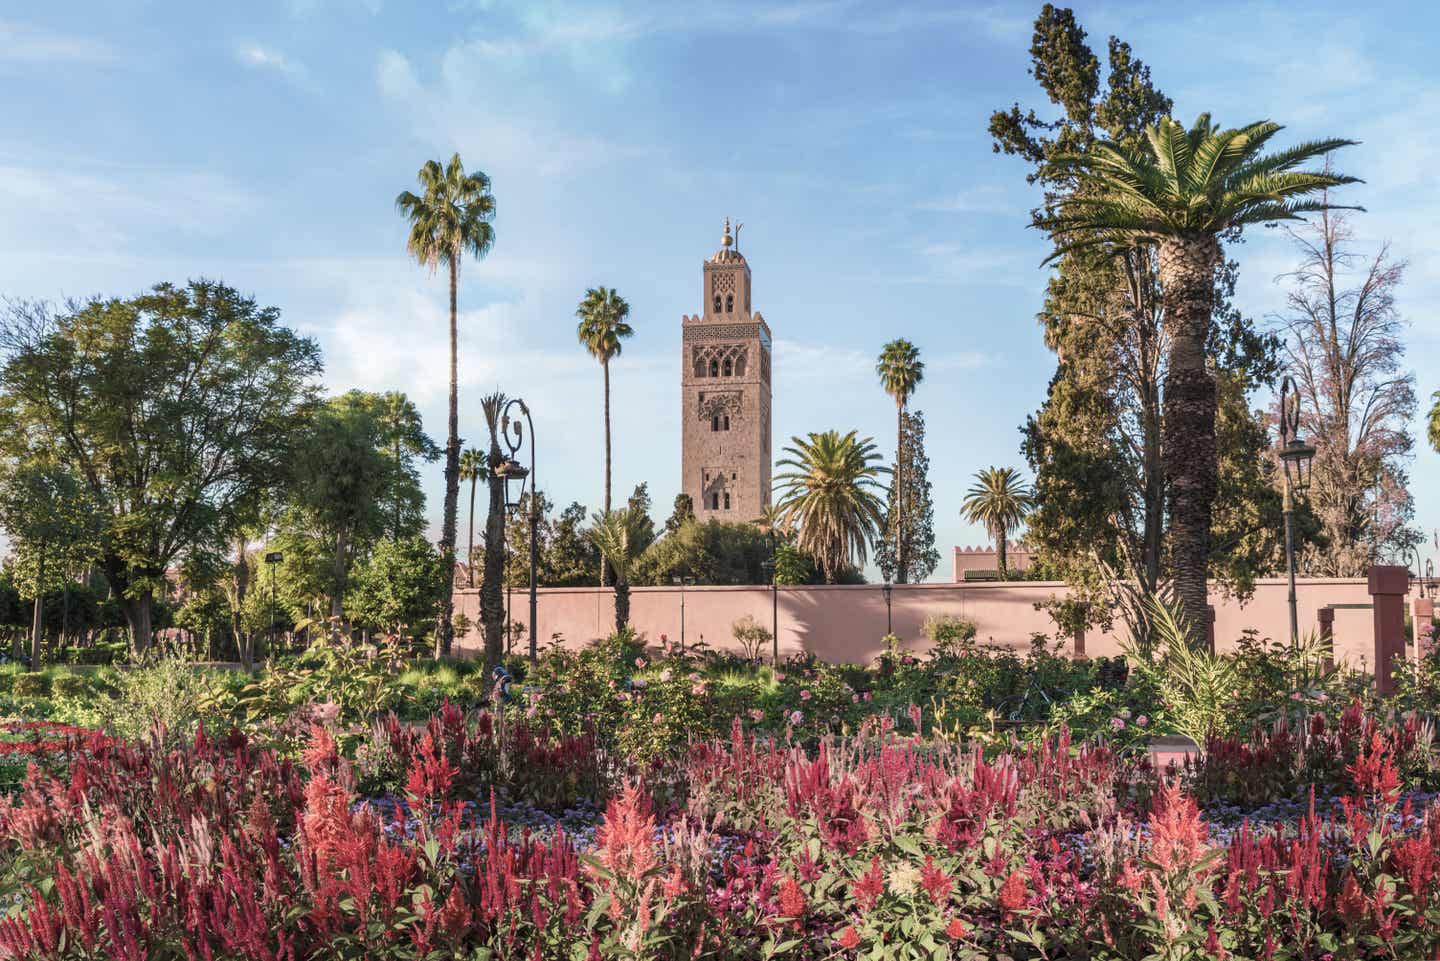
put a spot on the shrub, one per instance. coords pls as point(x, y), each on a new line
point(945, 631)
point(752, 636)
point(31, 685)
point(167, 694)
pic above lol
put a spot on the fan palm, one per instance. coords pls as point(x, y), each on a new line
point(492, 601)
point(622, 536)
point(772, 522)
point(451, 216)
point(1178, 190)
point(828, 495)
point(602, 327)
point(472, 468)
point(900, 370)
point(998, 501)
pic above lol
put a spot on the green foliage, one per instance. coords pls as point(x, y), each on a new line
point(623, 536)
point(921, 557)
point(715, 552)
point(752, 636)
point(999, 501)
point(175, 408)
point(165, 696)
point(947, 631)
point(603, 327)
point(397, 588)
point(1198, 687)
point(828, 496)
point(793, 565)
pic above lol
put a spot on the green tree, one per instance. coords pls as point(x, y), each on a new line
point(1435, 422)
point(622, 537)
point(900, 370)
point(829, 496)
point(172, 408)
point(517, 542)
point(683, 511)
point(573, 559)
point(998, 501)
point(403, 437)
point(602, 329)
point(472, 468)
point(921, 557)
point(1178, 191)
point(713, 552)
point(397, 588)
point(452, 215)
point(51, 522)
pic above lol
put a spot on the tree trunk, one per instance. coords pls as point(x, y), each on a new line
point(1001, 561)
point(470, 548)
point(39, 617)
point(137, 611)
point(901, 534)
point(605, 373)
point(1187, 277)
point(492, 593)
point(622, 604)
point(242, 588)
point(444, 629)
point(339, 572)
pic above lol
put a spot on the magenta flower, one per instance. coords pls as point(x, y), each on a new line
point(1117, 723)
point(1142, 720)
point(805, 695)
point(796, 717)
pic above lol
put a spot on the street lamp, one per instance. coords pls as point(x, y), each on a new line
point(272, 560)
point(889, 626)
point(769, 566)
point(509, 427)
point(1295, 459)
point(682, 582)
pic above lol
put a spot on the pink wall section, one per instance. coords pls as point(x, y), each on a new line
point(846, 623)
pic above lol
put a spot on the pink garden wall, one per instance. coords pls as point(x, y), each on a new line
point(846, 623)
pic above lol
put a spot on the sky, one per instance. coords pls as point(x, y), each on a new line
point(264, 143)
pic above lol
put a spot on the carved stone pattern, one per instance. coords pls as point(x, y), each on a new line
point(700, 358)
point(696, 332)
point(764, 365)
point(720, 403)
point(722, 282)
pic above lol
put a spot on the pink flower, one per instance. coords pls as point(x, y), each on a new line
point(639, 662)
point(665, 674)
point(779, 675)
point(658, 719)
point(866, 696)
point(1142, 720)
point(854, 698)
point(698, 688)
point(805, 695)
point(1117, 723)
point(796, 717)
point(1296, 696)
point(757, 715)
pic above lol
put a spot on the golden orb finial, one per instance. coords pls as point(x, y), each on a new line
point(726, 241)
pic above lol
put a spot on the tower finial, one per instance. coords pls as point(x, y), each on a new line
point(726, 241)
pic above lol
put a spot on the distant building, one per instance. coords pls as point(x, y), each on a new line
point(725, 391)
point(983, 563)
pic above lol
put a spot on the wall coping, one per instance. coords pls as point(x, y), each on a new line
point(927, 586)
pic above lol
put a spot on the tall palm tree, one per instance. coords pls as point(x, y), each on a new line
point(472, 468)
point(1178, 190)
point(622, 536)
point(828, 495)
point(998, 501)
point(602, 327)
point(492, 599)
point(452, 215)
point(900, 370)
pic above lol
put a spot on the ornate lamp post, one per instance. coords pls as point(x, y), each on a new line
point(888, 589)
point(514, 434)
point(769, 567)
point(1295, 458)
point(272, 561)
point(682, 582)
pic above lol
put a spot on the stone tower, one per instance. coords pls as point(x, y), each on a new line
point(725, 383)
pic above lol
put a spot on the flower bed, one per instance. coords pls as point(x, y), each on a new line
point(876, 845)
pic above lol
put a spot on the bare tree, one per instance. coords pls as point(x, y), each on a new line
point(1344, 339)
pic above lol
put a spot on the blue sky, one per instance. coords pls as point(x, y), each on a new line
point(264, 143)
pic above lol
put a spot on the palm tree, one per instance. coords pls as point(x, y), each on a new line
point(622, 536)
point(1178, 191)
point(602, 327)
point(829, 496)
point(772, 522)
point(492, 598)
point(901, 370)
point(452, 215)
point(472, 468)
point(999, 502)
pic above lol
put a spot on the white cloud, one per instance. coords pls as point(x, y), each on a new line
point(983, 198)
point(396, 77)
point(815, 361)
point(264, 58)
point(22, 44)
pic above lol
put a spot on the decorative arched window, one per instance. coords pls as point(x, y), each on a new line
point(715, 423)
point(699, 368)
point(729, 367)
point(714, 502)
point(729, 303)
point(726, 422)
point(717, 303)
point(727, 500)
point(714, 368)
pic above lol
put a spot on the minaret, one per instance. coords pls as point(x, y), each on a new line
point(725, 389)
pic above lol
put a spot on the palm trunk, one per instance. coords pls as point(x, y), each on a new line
point(492, 598)
point(1187, 277)
point(622, 604)
point(444, 629)
point(470, 547)
point(901, 575)
point(1001, 561)
point(605, 372)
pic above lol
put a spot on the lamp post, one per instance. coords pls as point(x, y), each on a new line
point(770, 567)
point(516, 475)
point(889, 626)
point(272, 561)
point(682, 582)
point(1295, 459)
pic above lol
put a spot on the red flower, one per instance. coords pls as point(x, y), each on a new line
point(848, 939)
point(1013, 893)
point(936, 882)
point(955, 929)
point(869, 887)
point(792, 899)
point(1178, 837)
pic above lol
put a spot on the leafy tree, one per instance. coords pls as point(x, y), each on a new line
point(772, 521)
point(173, 409)
point(622, 537)
point(900, 370)
point(603, 327)
point(792, 565)
point(1435, 422)
point(517, 541)
point(453, 215)
point(921, 556)
point(683, 512)
point(49, 518)
point(1344, 339)
point(572, 559)
point(403, 437)
point(1179, 190)
point(398, 587)
point(472, 468)
point(713, 552)
point(828, 495)
point(998, 501)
